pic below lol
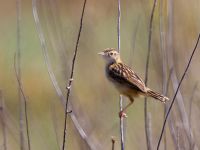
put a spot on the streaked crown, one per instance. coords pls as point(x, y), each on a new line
point(110, 55)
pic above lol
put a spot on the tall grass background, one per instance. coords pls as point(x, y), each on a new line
point(94, 102)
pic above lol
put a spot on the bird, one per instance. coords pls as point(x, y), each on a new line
point(125, 80)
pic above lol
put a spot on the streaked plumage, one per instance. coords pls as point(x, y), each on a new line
point(126, 81)
point(122, 74)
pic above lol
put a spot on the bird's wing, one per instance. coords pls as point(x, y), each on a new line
point(123, 74)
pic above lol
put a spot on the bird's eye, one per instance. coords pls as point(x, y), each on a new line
point(111, 53)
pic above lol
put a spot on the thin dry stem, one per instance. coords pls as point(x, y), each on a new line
point(190, 109)
point(18, 51)
point(113, 143)
point(169, 110)
point(45, 51)
point(3, 121)
point(24, 103)
point(164, 62)
point(71, 76)
point(53, 78)
point(178, 137)
point(180, 101)
point(170, 120)
point(119, 26)
point(27, 125)
point(191, 101)
point(120, 98)
point(169, 45)
point(146, 113)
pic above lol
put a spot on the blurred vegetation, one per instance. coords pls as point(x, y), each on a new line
point(94, 100)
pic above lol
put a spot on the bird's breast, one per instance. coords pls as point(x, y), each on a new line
point(122, 88)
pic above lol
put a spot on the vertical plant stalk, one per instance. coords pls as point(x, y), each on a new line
point(180, 100)
point(190, 109)
point(164, 62)
point(170, 119)
point(18, 68)
point(113, 143)
point(44, 49)
point(27, 124)
point(24, 103)
point(3, 121)
point(119, 26)
point(171, 122)
point(173, 100)
point(191, 101)
point(71, 76)
point(148, 131)
point(120, 98)
point(178, 138)
point(81, 131)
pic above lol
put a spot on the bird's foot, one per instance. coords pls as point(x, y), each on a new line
point(122, 114)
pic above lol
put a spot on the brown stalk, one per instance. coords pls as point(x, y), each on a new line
point(190, 110)
point(3, 121)
point(191, 101)
point(164, 62)
point(146, 113)
point(58, 90)
point(113, 143)
point(120, 98)
point(170, 120)
point(24, 103)
point(18, 50)
point(173, 100)
point(71, 76)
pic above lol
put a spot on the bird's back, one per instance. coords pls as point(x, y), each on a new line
point(124, 78)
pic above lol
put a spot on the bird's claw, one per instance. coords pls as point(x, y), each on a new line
point(122, 114)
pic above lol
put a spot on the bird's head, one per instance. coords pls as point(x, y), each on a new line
point(110, 55)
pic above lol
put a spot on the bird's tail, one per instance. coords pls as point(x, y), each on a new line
point(157, 96)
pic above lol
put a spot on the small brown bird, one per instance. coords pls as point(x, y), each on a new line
point(127, 82)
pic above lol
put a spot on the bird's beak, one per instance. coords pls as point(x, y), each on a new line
point(101, 53)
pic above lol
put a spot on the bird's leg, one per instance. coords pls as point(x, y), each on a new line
point(121, 113)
